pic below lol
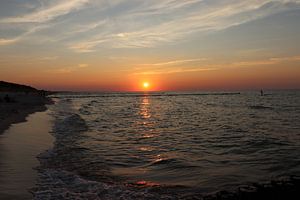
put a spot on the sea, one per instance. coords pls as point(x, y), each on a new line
point(168, 145)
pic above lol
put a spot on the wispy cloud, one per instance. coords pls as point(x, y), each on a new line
point(83, 65)
point(175, 70)
point(138, 24)
point(48, 13)
point(47, 58)
point(282, 59)
point(68, 69)
point(176, 62)
point(164, 68)
point(269, 61)
point(173, 66)
point(8, 41)
point(25, 34)
point(65, 70)
point(116, 58)
point(86, 27)
point(86, 47)
point(39, 19)
point(254, 63)
point(136, 27)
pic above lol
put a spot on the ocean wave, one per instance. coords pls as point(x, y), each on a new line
point(62, 185)
point(259, 107)
point(71, 124)
point(170, 164)
point(59, 185)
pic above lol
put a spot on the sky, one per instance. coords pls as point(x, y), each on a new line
point(117, 45)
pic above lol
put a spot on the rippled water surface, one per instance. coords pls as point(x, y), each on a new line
point(209, 142)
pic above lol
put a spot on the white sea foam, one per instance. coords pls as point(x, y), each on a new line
point(58, 184)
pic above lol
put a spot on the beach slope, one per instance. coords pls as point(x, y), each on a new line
point(18, 101)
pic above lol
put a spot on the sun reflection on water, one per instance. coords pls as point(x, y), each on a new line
point(146, 119)
point(148, 135)
point(144, 183)
point(144, 109)
point(146, 149)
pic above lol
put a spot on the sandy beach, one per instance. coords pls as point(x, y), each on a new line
point(20, 106)
point(20, 145)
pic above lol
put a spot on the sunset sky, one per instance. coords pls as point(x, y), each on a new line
point(117, 45)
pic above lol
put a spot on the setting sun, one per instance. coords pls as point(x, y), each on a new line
point(146, 85)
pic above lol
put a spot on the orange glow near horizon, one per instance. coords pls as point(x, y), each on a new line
point(145, 84)
point(222, 79)
point(282, 76)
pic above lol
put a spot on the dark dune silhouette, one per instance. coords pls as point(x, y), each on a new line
point(13, 87)
point(18, 101)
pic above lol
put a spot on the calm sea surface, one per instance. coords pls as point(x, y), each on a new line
point(205, 141)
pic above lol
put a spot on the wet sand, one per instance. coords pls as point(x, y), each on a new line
point(19, 146)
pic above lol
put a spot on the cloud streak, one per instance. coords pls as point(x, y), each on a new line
point(270, 61)
point(181, 20)
point(39, 19)
point(176, 62)
point(14, 40)
point(49, 13)
point(67, 70)
point(173, 71)
point(138, 24)
point(4, 42)
point(164, 68)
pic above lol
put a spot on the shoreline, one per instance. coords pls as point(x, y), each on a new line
point(22, 106)
point(19, 149)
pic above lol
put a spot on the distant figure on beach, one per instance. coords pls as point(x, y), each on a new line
point(6, 99)
point(261, 92)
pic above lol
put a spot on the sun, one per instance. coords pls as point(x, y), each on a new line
point(146, 85)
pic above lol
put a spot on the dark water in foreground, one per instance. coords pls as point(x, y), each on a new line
point(206, 143)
